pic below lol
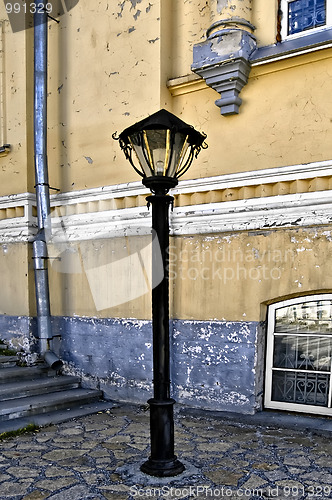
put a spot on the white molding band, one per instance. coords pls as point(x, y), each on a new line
point(292, 210)
point(272, 212)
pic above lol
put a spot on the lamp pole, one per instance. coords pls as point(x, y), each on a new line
point(164, 148)
point(162, 461)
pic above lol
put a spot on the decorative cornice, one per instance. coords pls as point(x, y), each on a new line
point(315, 45)
point(262, 199)
point(275, 212)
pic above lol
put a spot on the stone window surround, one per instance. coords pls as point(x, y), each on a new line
point(269, 402)
point(291, 47)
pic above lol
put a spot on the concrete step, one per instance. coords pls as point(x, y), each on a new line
point(45, 403)
point(11, 374)
point(55, 417)
point(38, 386)
point(8, 361)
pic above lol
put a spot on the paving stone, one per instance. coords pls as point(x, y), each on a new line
point(4, 477)
point(324, 461)
point(253, 483)
point(294, 470)
point(275, 475)
point(214, 447)
point(143, 446)
point(67, 442)
point(36, 495)
point(78, 492)
point(94, 479)
point(53, 485)
point(71, 431)
point(12, 489)
point(297, 460)
point(23, 472)
point(264, 466)
point(319, 476)
point(223, 477)
point(62, 454)
point(115, 496)
point(58, 472)
point(123, 488)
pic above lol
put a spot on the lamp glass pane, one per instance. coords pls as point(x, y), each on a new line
point(156, 142)
point(180, 148)
point(137, 143)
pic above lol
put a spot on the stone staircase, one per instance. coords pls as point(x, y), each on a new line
point(39, 395)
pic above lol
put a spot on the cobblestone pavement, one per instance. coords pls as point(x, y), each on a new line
point(98, 457)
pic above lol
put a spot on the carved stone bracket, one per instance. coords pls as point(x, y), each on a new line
point(223, 60)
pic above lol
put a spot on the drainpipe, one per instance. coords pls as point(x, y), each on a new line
point(40, 255)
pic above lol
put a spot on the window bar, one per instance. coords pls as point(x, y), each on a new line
point(329, 402)
point(295, 386)
point(316, 389)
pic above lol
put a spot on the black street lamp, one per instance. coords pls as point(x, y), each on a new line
point(164, 147)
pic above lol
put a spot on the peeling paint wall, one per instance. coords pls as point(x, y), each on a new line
point(108, 67)
point(231, 8)
point(212, 362)
point(229, 276)
point(16, 294)
point(15, 55)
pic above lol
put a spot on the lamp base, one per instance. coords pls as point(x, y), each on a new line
point(159, 184)
point(163, 468)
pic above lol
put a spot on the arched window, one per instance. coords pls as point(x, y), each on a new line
point(299, 355)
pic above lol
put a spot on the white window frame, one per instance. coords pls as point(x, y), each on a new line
point(284, 21)
point(279, 405)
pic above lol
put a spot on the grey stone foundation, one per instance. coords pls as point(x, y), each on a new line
point(213, 363)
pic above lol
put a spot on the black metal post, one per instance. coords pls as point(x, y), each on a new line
point(162, 461)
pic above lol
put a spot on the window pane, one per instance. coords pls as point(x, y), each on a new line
point(307, 317)
point(301, 388)
point(302, 352)
point(306, 14)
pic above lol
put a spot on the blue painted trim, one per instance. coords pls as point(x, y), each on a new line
point(314, 40)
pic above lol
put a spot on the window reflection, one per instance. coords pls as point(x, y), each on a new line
point(306, 14)
point(308, 317)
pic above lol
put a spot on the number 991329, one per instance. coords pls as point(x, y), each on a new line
point(26, 8)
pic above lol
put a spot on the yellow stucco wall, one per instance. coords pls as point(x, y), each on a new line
point(284, 118)
point(17, 293)
point(102, 80)
point(15, 83)
point(213, 277)
point(229, 276)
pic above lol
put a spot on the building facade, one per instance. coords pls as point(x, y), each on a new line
point(251, 284)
